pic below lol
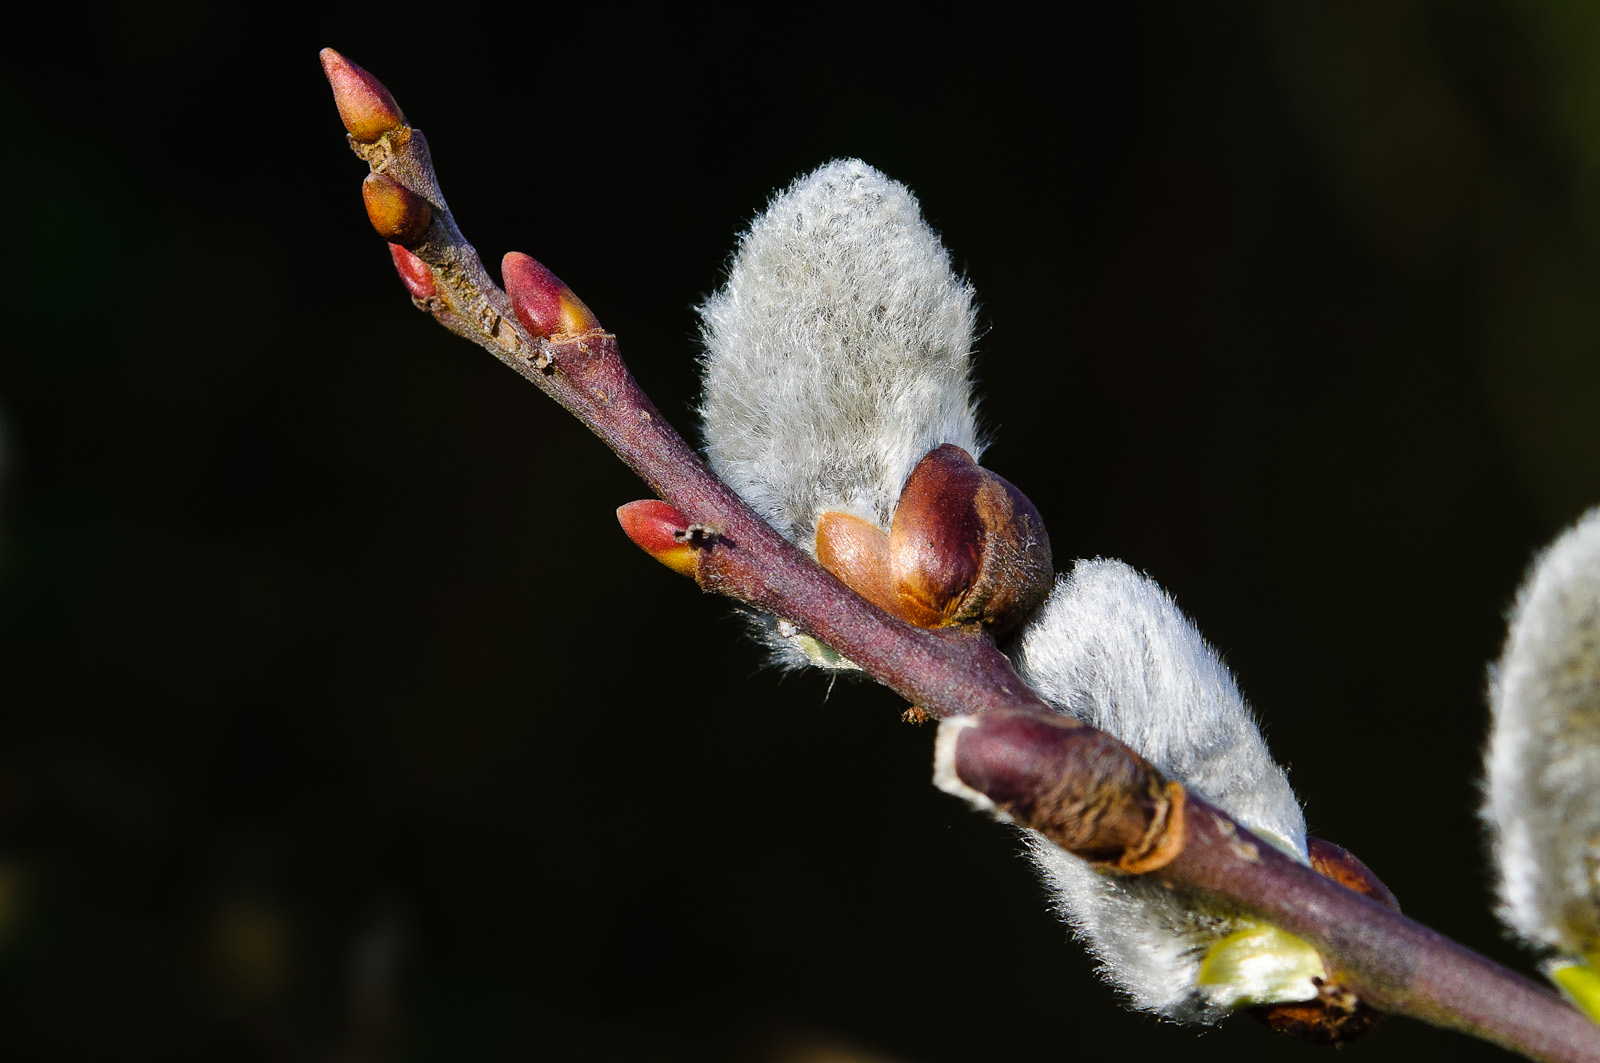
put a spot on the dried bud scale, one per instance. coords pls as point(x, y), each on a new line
point(1345, 868)
point(1086, 792)
point(1543, 779)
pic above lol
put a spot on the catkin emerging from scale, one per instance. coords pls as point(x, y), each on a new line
point(1111, 648)
point(836, 355)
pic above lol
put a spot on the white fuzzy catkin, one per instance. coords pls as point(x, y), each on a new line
point(1111, 648)
point(1543, 787)
point(836, 355)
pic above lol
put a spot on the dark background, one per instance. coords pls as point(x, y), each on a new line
point(338, 720)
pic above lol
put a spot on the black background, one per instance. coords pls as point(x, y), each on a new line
point(339, 721)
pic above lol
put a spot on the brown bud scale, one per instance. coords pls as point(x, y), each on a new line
point(1079, 787)
point(858, 553)
point(1336, 1017)
point(966, 546)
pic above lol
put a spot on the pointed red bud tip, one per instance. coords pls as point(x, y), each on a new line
point(414, 273)
point(399, 214)
point(660, 531)
point(1345, 868)
point(545, 306)
point(365, 106)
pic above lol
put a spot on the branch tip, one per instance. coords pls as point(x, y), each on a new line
point(365, 106)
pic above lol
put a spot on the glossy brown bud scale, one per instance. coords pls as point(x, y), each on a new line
point(966, 546)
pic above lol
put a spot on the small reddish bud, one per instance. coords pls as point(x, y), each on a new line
point(414, 273)
point(399, 214)
point(662, 532)
point(1341, 865)
point(858, 553)
point(966, 546)
point(365, 106)
point(1337, 1016)
point(545, 306)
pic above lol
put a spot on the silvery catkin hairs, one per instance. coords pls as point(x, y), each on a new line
point(1111, 648)
point(836, 355)
point(1543, 780)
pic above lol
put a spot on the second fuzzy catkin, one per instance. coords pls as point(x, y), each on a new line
point(1111, 648)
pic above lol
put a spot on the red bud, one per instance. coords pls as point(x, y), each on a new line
point(414, 273)
point(660, 531)
point(545, 306)
point(1343, 866)
point(365, 106)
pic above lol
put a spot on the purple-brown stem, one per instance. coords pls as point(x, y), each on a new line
point(1393, 963)
point(1390, 961)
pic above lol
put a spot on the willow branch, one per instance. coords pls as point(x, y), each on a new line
point(1084, 788)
